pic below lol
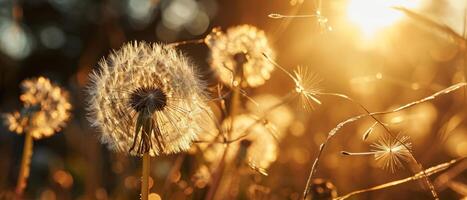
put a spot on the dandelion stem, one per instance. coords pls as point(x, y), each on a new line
point(235, 102)
point(25, 164)
point(266, 56)
point(217, 176)
point(145, 177)
point(195, 41)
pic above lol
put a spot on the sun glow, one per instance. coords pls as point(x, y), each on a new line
point(374, 15)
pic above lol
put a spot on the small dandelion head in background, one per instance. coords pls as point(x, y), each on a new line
point(46, 109)
point(254, 142)
point(274, 109)
point(237, 55)
point(147, 98)
point(390, 152)
point(306, 86)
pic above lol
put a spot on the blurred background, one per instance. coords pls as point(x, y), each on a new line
point(374, 53)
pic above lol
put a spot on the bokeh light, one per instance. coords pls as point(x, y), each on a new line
point(15, 41)
point(140, 11)
point(52, 37)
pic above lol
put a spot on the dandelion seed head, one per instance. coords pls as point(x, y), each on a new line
point(46, 109)
point(236, 55)
point(151, 98)
point(153, 81)
point(306, 86)
point(390, 153)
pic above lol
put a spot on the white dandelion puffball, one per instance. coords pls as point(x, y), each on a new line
point(153, 81)
point(238, 54)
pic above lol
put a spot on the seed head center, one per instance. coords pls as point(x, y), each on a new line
point(148, 99)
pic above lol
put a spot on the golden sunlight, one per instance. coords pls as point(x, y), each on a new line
point(373, 15)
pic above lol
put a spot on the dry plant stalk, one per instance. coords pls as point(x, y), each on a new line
point(25, 164)
point(145, 176)
point(428, 172)
point(333, 132)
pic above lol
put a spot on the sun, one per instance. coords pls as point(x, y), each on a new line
point(371, 16)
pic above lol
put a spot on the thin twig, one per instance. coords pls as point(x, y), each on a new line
point(184, 42)
point(428, 172)
point(441, 182)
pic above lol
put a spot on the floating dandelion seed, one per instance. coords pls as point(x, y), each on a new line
point(306, 85)
point(321, 20)
point(237, 55)
point(46, 109)
point(146, 98)
point(389, 152)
